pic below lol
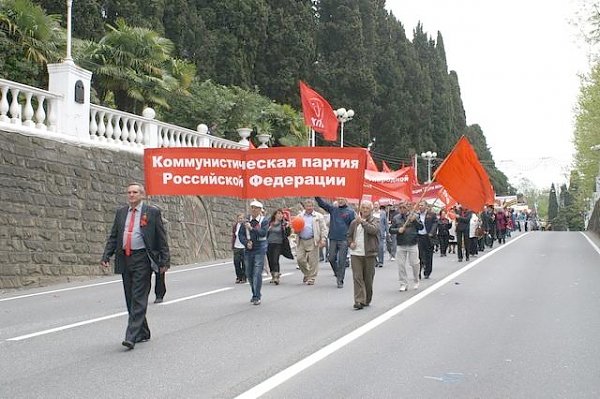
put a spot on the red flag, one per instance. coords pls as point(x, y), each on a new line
point(385, 168)
point(318, 113)
point(464, 177)
point(371, 165)
point(397, 184)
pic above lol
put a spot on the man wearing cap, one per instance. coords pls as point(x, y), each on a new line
point(254, 238)
point(312, 237)
point(340, 217)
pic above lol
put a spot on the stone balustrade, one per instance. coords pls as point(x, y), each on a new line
point(27, 107)
point(35, 111)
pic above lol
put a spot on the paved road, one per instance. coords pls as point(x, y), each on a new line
point(520, 321)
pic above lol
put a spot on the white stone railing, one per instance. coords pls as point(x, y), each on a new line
point(27, 107)
point(30, 110)
point(138, 132)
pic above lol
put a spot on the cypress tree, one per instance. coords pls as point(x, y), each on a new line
point(552, 204)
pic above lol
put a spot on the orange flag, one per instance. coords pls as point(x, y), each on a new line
point(464, 177)
point(318, 113)
point(385, 168)
point(371, 165)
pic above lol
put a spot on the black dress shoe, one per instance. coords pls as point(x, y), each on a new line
point(144, 338)
point(128, 344)
point(358, 306)
point(158, 300)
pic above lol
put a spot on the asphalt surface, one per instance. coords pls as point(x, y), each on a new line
point(519, 321)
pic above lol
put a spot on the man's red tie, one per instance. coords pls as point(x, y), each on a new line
point(129, 233)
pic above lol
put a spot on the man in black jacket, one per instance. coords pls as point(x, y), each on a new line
point(139, 242)
point(405, 226)
point(463, 218)
point(426, 236)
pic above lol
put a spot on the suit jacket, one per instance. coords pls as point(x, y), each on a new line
point(371, 234)
point(431, 223)
point(153, 233)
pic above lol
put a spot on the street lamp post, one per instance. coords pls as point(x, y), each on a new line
point(343, 116)
point(371, 143)
point(429, 156)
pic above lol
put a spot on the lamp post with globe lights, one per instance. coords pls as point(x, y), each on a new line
point(343, 115)
point(429, 156)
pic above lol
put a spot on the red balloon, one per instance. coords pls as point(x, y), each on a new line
point(298, 224)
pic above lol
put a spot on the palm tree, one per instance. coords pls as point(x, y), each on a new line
point(134, 65)
point(29, 39)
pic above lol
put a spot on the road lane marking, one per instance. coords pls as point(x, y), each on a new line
point(592, 243)
point(112, 316)
point(104, 283)
point(187, 298)
point(68, 326)
point(284, 375)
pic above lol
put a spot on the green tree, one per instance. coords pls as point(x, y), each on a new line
point(552, 204)
point(135, 66)
point(574, 203)
point(87, 21)
point(289, 51)
point(225, 108)
point(29, 39)
point(344, 74)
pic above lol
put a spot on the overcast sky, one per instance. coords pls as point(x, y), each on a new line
point(518, 63)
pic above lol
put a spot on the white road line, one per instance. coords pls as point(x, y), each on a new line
point(104, 283)
point(112, 316)
point(58, 290)
point(322, 353)
point(187, 298)
point(591, 242)
point(68, 326)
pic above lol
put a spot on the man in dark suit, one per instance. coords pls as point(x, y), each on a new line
point(139, 242)
point(426, 236)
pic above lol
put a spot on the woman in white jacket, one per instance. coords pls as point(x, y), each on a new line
point(474, 223)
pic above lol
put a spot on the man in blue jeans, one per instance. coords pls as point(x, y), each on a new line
point(254, 237)
point(340, 217)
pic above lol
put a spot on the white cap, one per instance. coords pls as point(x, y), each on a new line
point(256, 204)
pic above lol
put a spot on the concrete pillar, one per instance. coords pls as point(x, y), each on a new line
point(73, 109)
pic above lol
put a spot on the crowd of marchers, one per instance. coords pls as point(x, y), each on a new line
point(407, 234)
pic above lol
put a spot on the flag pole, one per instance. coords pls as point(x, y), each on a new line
point(416, 205)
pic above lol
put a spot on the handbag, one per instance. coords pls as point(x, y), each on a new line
point(286, 250)
point(479, 232)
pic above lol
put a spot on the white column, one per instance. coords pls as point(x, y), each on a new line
point(72, 118)
point(150, 129)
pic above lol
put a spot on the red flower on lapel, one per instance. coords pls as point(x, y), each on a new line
point(144, 220)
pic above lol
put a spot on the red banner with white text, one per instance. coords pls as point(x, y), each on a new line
point(263, 173)
point(394, 185)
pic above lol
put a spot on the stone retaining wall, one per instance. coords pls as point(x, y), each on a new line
point(58, 203)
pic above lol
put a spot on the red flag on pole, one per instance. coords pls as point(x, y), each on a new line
point(385, 168)
point(371, 165)
point(465, 179)
point(318, 113)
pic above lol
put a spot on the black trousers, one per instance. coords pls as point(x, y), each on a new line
point(160, 288)
point(425, 254)
point(238, 263)
point(463, 237)
point(273, 254)
point(137, 280)
point(443, 244)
